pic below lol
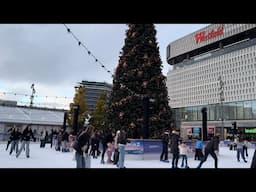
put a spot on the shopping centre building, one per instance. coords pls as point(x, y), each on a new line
point(214, 67)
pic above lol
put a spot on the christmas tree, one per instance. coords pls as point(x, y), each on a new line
point(139, 75)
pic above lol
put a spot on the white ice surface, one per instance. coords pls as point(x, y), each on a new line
point(49, 158)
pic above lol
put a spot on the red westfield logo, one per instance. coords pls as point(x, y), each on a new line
point(203, 35)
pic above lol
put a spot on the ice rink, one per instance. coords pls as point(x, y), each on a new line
point(50, 158)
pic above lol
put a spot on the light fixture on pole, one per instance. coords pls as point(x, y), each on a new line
point(32, 95)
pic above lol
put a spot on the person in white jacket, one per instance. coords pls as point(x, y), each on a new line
point(116, 152)
point(183, 148)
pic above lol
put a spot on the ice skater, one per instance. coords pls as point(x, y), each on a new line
point(27, 135)
point(239, 150)
point(183, 154)
point(174, 148)
point(165, 142)
point(211, 148)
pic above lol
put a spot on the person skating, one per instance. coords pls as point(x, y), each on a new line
point(95, 141)
point(253, 164)
point(15, 140)
point(81, 146)
point(245, 147)
point(198, 149)
point(116, 152)
point(27, 135)
point(174, 148)
point(211, 148)
point(239, 150)
point(183, 148)
point(122, 141)
point(103, 138)
point(110, 144)
point(10, 138)
point(42, 139)
point(165, 142)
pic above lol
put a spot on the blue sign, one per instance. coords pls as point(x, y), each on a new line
point(140, 146)
point(152, 146)
point(134, 147)
point(196, 130)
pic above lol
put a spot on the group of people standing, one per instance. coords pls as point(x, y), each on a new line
point(177, 146)
point(89, 138)
point(179, 149)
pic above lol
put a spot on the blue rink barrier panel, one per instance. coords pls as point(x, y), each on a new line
point(146, 146)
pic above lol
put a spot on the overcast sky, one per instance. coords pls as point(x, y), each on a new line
point(48, 56)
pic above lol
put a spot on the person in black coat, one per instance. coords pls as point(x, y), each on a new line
point(81, 145)
point(211, 148)
point(95, 142)
point(26, 136)
point(175, 138)
point(15, 140)
point(10, 138)
point(253, 164)
point(103, 138)
point(165, 142)
point(110, 144)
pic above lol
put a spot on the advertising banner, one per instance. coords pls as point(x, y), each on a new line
point(135, 146)
point(152, 146)
point(140, 146)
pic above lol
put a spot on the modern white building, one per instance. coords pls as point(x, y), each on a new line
point(214, 67)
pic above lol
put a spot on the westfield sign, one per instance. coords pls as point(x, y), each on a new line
point(203, 35)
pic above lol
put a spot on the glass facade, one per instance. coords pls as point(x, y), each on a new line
point(242, 110)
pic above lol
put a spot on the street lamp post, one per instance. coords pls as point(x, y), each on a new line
point(32, 95)
point(75, 118)
point(221, 102)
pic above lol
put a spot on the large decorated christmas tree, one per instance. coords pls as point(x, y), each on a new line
point(137, 76)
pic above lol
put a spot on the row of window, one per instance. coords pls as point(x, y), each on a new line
point(244, 110)
point(200, 83)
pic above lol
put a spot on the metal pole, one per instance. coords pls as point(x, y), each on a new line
point(32, 95)
point(221, 101)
